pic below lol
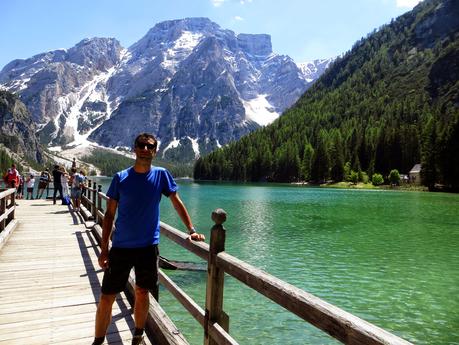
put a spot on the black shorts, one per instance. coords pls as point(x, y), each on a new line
point(120, 262)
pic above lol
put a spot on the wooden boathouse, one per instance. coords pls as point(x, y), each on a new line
point(50, 283)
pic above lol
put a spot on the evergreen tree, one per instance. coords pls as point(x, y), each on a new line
point(429, 167)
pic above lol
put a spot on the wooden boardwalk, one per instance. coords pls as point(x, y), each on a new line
point(50, 281)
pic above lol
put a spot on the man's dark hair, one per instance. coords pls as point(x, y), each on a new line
point(145, 136)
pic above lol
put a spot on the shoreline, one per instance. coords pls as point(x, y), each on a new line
point(367, 186)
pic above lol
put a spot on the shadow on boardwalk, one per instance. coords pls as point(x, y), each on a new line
point(50, 281)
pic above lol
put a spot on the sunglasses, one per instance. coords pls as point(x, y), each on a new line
point(147, 145)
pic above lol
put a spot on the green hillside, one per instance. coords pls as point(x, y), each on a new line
point(390, 102)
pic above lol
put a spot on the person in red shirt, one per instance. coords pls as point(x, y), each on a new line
point(11, 179)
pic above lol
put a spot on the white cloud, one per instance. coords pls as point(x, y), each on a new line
point(217, 3)
point(407, 3)
point(238, 18)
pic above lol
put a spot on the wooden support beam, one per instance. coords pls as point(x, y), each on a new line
point(215, 279)
point(193, 308)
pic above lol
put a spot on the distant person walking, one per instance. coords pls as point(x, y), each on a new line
point(30, 184)
point(64, 181)
point(20, 191)
point(78, 180)
point(74, 164)
point(43, 182)
point(136, 193)
point(65, 187)
point(57, 182)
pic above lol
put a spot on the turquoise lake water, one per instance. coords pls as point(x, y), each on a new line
point(389, 257)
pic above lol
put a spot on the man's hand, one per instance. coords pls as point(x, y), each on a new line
point(197, 237)
point(103, 259)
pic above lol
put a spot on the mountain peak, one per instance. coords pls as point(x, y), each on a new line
point(255, 44)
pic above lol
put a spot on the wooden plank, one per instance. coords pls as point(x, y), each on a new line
point(50, 281)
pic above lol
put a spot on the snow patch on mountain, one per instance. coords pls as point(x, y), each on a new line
point(172, 145)
point(195, 146)
point(259, 110)
point(180, 49)
point(72, 108)
point(311, 70)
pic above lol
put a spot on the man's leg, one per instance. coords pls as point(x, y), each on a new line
point(141, 306)
point(142, 303)
point(54, 194)
point(103, 316)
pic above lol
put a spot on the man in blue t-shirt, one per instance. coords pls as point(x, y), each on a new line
point(135, 193)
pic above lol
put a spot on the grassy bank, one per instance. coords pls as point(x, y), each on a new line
point(361, 185)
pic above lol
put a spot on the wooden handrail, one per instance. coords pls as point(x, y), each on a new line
point(8, 223)
point(7, 192)
point(340, 324)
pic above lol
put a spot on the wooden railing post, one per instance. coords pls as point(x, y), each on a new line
point(2, 212)
point(13, 205)
point(94, 201)
point(87, 193)
point(88, 196)
point(215, 279)
point(99, 203)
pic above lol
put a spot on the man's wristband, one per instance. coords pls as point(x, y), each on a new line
point(192, 230)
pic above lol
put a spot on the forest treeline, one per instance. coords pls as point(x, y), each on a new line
point(391, 102)
point(110, 163)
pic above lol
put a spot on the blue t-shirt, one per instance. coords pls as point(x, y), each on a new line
point(138, 196)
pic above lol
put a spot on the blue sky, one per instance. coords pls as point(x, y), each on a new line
point(303, 29)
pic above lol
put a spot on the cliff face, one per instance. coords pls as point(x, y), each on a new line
point(57, 86)
point(17, 130)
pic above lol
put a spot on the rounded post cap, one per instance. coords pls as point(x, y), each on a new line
point(219, 216)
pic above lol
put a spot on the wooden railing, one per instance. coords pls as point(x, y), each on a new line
point(340, 324)
point(7, 208)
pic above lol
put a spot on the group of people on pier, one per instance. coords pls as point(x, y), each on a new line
point(69, 185)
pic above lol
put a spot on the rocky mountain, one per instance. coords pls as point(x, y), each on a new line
point(17, 130)
point(312, 70)
point(193, 84)
point(64, 89)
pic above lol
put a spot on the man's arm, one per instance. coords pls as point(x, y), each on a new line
point(185, 217)
point(107, 226)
